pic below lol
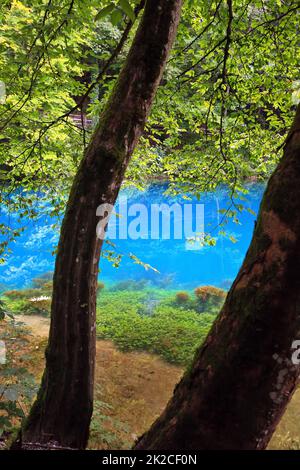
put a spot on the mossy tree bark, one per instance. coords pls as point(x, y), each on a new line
point(243, 376)
point(61, 414)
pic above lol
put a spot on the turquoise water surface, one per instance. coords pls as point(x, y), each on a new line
point(178, 263)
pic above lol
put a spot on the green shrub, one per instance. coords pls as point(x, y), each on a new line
point(100, 286)
point(14, 294)
point(24, 293)
point(207, 293)
point(42, 280)
point(130, 284)
point(182, 297)
point(32, 301)
point(165, 322)
point(173, 332)
point(25, 306)
point(209, 298)
point(17, 384)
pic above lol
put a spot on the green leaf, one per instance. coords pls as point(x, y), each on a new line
point(116, 17)
point(105, 12)
point(126, 7)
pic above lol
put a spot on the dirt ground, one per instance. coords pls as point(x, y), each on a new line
point(132, 389)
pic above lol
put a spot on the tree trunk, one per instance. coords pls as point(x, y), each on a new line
point(61, 414)
point(243, 377)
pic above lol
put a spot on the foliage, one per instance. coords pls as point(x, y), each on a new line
point(137, 316)
point(223, 107)
point(52, 53)
point(34, 301)
point(17, 384)
point(221, 104)
point(209, 297)
point(227, 99)
point(129, 284)
point(100, 286)
point(105, 429)
point(43, 281)
point(182, 297)
point(170, 331)
point(206, 293)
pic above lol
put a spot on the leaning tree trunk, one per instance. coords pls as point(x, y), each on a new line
point(61, 414)
point(242, 377)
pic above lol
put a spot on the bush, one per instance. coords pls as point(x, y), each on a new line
point(39, 306)
point(172, 332)
point(209, 298)
point(14, 294)
point(43, 279)
point(29, 306)
point(182, 297)
point(207, 293)
point(17, 384)
point(100, 286)
point(129, 284)
point(32, 301)
point(155, 320)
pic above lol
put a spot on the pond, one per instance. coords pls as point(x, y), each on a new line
point(178, 263)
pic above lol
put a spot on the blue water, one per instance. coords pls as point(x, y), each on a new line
point(178, 265)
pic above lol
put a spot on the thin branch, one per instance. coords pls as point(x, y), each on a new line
point(39, 62)
point(92, 86)
point(202, 58)
point(228, 41)
point(273, 20)
point(204, 29)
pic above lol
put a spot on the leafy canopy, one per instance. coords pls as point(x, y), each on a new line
point(220, 114)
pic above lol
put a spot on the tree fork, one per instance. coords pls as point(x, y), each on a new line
point(242, 377)
point(61, 414)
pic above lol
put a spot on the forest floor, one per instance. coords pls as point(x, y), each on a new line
point(133, 388)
